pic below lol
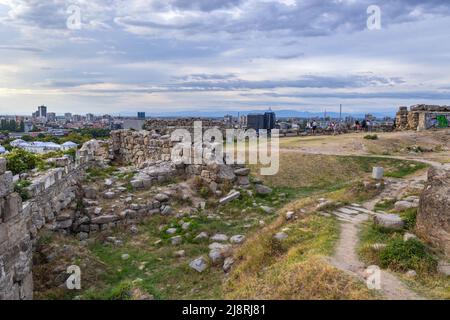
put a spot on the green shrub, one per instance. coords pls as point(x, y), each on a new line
point(371, 137)
point(204, 192)
point(409, 217)
point(19, 161)
point(21, 188)
point(402, 255)
point(71, 152)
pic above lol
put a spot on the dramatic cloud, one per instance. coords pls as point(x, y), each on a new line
point(162, 55)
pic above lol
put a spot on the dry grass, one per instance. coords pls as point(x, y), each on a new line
point(313, 279)
point(327, 173)
point(294, 268)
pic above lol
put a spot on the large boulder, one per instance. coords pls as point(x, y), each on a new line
point(433, 218)
point(389, 221)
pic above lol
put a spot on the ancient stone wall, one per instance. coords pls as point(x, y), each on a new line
point(51, 204)
point(137, 147)
point(16, 282)
point(433, 219)
point(423, 117)
point(165, 127)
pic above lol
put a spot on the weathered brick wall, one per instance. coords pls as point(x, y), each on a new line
point(16, 282)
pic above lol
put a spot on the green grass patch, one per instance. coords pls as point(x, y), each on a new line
point(398, 255)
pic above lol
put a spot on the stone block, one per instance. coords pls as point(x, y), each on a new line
point(13, 206)
point(6, 184)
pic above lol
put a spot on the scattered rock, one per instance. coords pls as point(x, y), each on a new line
point(230, 197)
point(227, 264)
point(280, 236)
point(242, 172)
point(161, 197)
point(409, 236)
point(104, 219)
point(167, 210)
point(109, 195)
point(262, 189)
point(323, 204)
point(134, 229)
point(179, 253)
point(411, 274)
point(267, 209)
point(289, 215)
point(171, 231)
point(186, 226)
point(237, 239)
point(216, 256)
point(243, 181)
point(389, 221)
point(219, 237)
point(200, 264)
point(378, 246)
point(404, 205)
point(176, 240)
point(201, 236)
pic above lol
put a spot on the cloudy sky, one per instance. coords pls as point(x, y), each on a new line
point(173, 55)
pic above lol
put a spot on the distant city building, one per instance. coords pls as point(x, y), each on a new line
point(269, 120)
point(260, 121)
point(42, 112)
point(228, 119)
point(51, 116)
point(76, 118)
point(141, 115)
point(68, 116)
point(90, 117)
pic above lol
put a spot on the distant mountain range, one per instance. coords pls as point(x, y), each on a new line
point(279, 113)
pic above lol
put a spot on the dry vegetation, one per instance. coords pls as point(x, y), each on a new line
point(295, 268)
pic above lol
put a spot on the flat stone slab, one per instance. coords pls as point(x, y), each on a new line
point(362, 210)
point(348, 211)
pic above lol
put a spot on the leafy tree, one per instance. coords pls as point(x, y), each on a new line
point(19, 161)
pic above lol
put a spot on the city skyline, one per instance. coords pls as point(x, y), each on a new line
point(223, 56)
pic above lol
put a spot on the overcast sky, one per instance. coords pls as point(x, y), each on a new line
point(173, 55)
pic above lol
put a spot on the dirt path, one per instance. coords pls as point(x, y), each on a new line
point(346, 257)
point(352, 217)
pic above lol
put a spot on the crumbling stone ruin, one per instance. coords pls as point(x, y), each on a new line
point(60, 201)
point(422, 117)
point(433, 218)
point(16, 282)
point(165, 127)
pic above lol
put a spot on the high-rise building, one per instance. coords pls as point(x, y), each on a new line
point(51, 116)
point(89, 117)
point(261, 121)
point(141, 115)
point(42, 112)
point(68, 116)
point(255, 121)
point(269, 120)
